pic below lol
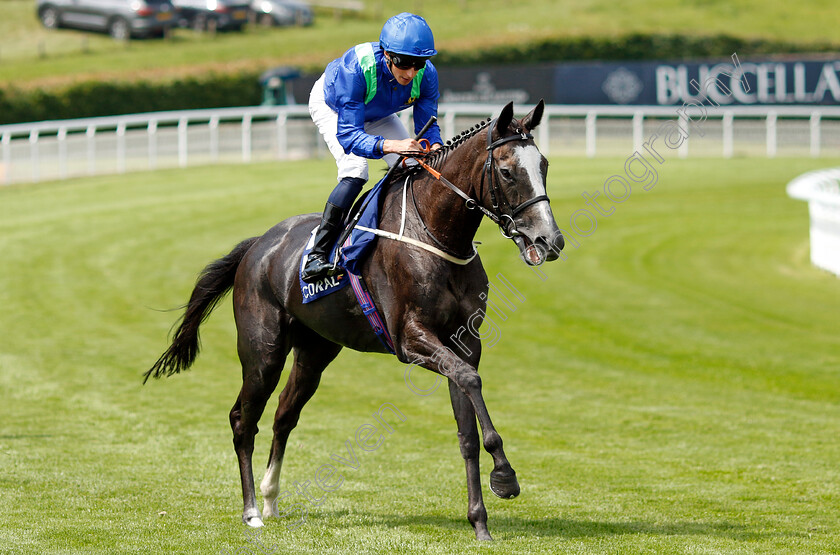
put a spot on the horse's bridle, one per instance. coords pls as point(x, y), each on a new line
point(503, 213)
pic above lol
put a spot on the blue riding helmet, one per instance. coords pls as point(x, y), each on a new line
point(408, 34)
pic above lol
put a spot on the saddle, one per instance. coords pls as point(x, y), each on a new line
point(351, 255)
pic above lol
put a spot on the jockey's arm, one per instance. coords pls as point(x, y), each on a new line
point(393, 146)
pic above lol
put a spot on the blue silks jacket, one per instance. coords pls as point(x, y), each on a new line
point(348, 91)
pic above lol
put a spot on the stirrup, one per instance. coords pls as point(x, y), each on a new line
point(318, 265)
point(317, 269)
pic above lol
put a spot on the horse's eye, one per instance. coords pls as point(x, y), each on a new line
point(505, 173)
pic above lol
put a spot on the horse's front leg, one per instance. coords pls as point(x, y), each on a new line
point(503, 480)
point(468, 442)
point(424, 349)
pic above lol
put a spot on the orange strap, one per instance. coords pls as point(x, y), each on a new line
point(427, 147)
point(434, 172)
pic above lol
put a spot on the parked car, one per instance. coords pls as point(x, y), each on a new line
point(121, 19)
point(212, 15)
point(281, 12)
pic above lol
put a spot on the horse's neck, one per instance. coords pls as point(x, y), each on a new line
point(443, 211)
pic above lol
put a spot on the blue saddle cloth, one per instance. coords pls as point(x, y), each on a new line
point(360, 242)
point(356, 248)
point(322, 287)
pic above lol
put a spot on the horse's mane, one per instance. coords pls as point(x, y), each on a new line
point(438, 157)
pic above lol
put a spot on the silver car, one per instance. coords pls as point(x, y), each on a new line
point(281, 12)
point(212, 15)
point(121, 19)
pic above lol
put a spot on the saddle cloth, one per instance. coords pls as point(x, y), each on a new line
point(325, 285)
point(356, 248)
point(359, 244)
point(354, 251)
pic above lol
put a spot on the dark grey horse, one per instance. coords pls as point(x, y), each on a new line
point(424, 297)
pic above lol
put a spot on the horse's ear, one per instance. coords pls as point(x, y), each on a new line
point(533, 119)
point(504, 119)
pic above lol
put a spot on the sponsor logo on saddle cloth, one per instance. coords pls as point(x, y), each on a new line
point(322, 287)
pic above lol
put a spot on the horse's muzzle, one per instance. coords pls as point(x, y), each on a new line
point(541, 249)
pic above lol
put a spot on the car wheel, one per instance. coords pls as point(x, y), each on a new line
point(49, 17)
point(119, 29)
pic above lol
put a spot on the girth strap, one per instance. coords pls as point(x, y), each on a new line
point(420, 244)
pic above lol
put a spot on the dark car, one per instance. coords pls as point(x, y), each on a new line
point(281, 12)
point(212, 15)
point(121, 19)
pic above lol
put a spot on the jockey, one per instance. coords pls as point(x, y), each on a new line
point(354, 104)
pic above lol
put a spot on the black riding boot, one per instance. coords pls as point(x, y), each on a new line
point(318, 264)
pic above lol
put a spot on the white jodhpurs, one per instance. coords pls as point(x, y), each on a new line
point(350, 165)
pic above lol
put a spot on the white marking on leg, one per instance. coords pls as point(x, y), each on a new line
point(270, 488)
point(252, 517)
point(255, 522)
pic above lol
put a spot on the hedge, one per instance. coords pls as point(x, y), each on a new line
point(107, 98)
point(629, 47)
point(218, 90)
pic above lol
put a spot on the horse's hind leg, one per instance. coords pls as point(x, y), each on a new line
point(469, 443)
point(263, 347)
point(312, 354)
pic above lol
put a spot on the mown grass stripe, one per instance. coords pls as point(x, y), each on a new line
point(671, 387)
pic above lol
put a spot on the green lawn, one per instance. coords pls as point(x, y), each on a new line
point(673, 386)
point(31, 55)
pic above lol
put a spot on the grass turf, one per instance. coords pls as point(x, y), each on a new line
point(671, 387)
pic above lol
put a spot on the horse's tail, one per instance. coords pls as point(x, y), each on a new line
point(212, 285)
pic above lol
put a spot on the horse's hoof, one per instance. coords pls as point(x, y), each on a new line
point(483, 536)
point(505, 486)
point(254, 522)
point(270, 509)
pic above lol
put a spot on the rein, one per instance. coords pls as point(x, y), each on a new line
point(442, 252)
point(503, 213)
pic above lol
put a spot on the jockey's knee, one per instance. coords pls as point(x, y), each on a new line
point(346, 192)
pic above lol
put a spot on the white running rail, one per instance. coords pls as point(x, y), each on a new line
point(64, 149)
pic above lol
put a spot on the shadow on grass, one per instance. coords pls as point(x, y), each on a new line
point(555, 527)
